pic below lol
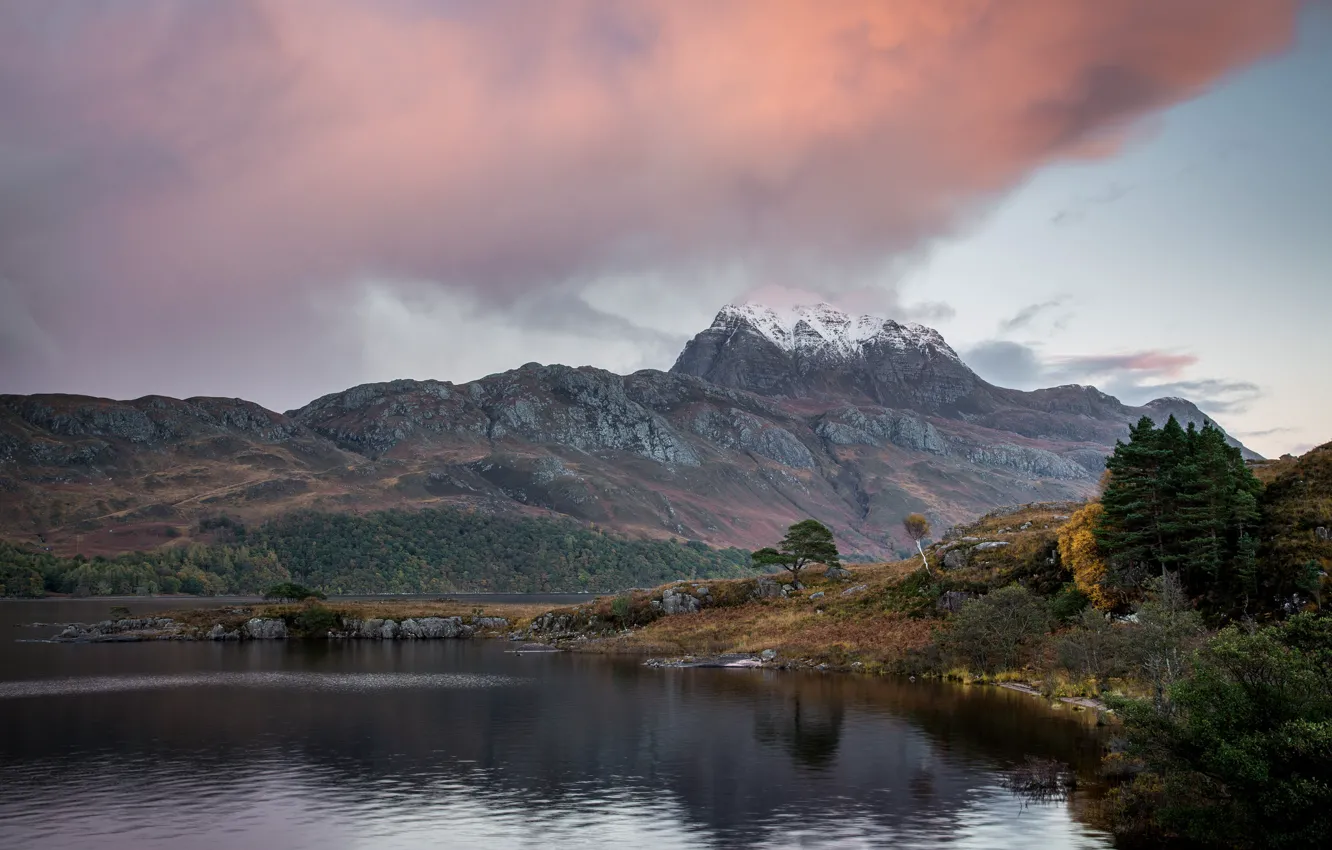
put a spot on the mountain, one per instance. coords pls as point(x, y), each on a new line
point(765, 419)
point(820, 354)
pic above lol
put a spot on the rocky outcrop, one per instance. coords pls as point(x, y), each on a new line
point(265, 629)
point(679, 602)
point(852, 426)
point(1037, 463)
point(736, 429)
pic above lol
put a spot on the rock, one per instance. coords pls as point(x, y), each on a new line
point(854, 589)
point(490, 623)
point(766, 587)
point(768, 655)
point(1322, 533)
point(952, 600)
point(955, 559)
point(678, 602)
point(409, 629)
point(818, 595)
point(838, 573)
point(260, 628)
point(389, 630)
point(991, 544)
point(218, 632)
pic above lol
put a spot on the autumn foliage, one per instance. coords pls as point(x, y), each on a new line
point(1080, 554)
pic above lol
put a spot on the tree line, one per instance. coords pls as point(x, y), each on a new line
point(435, 550)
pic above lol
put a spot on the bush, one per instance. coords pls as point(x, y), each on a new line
point(314, 620)
point(1068, 603)
point(1095, 647)
point(289, 591)
point(997, 632)
point(1239, 754)
point(621, 607)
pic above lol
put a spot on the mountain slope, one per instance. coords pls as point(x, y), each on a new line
point(819, 352)
point(852, 420)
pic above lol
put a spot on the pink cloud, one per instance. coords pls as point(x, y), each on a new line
point(169, 159)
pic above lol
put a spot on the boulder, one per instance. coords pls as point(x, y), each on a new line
point(955, 559)
point(838, 573)
point(260, 628)
point(441, 627)
point(768, 655)
point(410, 629)
point(991, 544)
point(952, 600)
point(766, 587)
point(678, 602)
point(819, 595)
point(854, 589)
point(490, 623)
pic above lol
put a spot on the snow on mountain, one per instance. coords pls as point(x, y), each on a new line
point(808, 328)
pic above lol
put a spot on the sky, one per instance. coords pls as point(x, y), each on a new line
point(277, 199)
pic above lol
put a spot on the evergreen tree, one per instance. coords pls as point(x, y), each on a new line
point(807, 542)
point(1181, 502)
point(1137, 505)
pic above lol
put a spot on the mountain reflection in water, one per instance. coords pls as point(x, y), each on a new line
point(452, 742)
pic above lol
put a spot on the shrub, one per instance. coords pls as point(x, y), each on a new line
point(1239, 754)
point(1068, 603)
point(997, 631)
point(314, 620)
point(1094, 647)
point(289, 591)
point(621, 607)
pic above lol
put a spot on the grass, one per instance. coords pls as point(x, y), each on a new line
point(886, 626)
point(233, 616)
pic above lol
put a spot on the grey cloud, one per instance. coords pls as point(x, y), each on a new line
point(1028, 314)
point(1080, 206)
point(1006, 363)
point(1133, 378)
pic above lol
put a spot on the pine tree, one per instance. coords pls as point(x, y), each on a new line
point(1181, 502)
point(1138, 503)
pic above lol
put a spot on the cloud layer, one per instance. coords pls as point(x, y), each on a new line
point(204, 178)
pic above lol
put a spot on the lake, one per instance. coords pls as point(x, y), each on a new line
point(466, 743)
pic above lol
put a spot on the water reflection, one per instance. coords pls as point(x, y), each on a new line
point(471, 743)
point(807, 729)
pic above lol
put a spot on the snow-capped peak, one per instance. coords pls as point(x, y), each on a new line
point(822, 326)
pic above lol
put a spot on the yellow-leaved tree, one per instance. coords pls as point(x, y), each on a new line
point(1078, 551)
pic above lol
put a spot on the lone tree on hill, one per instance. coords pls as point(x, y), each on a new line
point(918, 528)
point(807, 542)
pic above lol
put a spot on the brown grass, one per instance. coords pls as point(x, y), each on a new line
point(233, 615)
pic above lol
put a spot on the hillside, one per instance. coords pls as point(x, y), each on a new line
point(852, 420)
point(432, 550)
point(1297, 509)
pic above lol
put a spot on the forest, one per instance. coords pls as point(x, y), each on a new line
point(428, 551)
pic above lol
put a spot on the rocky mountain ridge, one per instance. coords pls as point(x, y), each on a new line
point(769, 433)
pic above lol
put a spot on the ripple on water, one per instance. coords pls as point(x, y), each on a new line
point(343, 682)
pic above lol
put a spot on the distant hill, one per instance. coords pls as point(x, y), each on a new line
point(765, 419)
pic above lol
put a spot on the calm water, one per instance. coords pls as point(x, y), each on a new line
point(461, 743)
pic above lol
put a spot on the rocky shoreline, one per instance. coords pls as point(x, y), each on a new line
point(134, 629)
